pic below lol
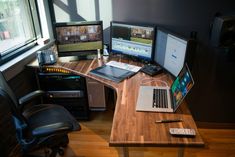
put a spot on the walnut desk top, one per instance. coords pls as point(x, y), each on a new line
point(131, 128)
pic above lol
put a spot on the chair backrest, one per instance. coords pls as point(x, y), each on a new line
point(7, 128)
point(8, 94)
point(4, 86)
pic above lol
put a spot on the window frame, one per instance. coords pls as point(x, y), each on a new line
point(13, 52)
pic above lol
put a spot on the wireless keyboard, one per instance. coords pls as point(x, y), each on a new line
point(124, 66)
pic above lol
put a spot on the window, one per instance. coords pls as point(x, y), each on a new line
point(19, 27)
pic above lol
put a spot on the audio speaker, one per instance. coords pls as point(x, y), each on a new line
point(223, 31)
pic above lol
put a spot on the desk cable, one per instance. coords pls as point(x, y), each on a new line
point(150, 80)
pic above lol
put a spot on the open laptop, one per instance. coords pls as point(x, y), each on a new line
point(165, 99)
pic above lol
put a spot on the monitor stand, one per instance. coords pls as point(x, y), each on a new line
point(68, 59)
point(76, 58)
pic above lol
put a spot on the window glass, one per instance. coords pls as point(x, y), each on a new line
point(16, 25)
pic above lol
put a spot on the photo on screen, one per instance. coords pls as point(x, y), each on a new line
point(76, 38)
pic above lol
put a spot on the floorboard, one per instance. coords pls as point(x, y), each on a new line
point(92, 141)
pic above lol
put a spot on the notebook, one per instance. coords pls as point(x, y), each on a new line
point(165, 99)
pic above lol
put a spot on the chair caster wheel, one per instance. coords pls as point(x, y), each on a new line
point(61, 151)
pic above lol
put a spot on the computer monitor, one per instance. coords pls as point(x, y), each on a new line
point(79, 38)
point(133, 40)
point(170, 51)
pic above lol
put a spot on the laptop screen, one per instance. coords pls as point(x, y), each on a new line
point(181, 86)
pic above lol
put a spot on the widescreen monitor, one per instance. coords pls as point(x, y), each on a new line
point(79, 38)
point(170, 51)
point(132, 40)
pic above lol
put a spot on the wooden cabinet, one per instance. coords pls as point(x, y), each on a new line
point(96, 95)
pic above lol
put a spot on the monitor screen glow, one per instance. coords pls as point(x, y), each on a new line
point(182, 85)
point(132, 40)
point(81, 38)
point(170, 51)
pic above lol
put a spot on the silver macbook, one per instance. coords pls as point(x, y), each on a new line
point(165, 99)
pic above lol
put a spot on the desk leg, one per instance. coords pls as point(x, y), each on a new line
point(181, 152)
point(125, 151)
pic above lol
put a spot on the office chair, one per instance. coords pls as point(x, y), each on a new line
point(38, 126)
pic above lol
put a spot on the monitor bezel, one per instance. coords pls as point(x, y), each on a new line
point(78, 53)
point(138, 25)
point(176, 35)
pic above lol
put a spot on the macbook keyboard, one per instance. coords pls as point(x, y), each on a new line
point(160, 98)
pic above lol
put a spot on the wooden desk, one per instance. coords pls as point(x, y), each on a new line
point(131, 128)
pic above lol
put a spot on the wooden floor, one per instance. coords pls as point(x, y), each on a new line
point(92, 141)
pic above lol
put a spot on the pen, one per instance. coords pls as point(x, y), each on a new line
point(168, 120)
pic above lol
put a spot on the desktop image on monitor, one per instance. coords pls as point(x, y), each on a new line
point(170, 51)
point(79, 38)
point(132, 40)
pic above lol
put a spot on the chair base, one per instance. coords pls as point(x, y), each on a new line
point(51, 147)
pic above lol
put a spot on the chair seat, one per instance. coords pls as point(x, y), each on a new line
point(46, 119)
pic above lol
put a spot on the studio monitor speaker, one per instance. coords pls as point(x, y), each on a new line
point(223, 31)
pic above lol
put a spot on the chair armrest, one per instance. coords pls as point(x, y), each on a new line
point(25, 99)
point(52, 129)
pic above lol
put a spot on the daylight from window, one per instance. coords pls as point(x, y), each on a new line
point(87, 10)
point(15, 24)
